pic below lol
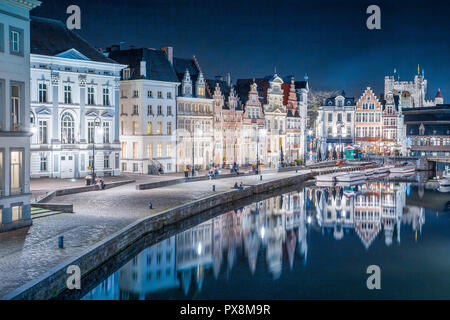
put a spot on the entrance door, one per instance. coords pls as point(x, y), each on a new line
point(67, 166)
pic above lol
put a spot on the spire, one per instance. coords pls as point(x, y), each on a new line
point(306, 77)
point(418, 69)
point(186, 84)
point(438, 94)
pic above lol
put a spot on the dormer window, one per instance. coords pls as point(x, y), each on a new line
point(126, 73)
point(339, 103)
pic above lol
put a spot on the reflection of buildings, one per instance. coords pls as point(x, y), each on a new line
point(150, 271)
point(374, 206)
point(273, 230)
point(337, 211)
point(106, 290)
point(194, 254)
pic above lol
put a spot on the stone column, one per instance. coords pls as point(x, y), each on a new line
point(81, 127)
point(55, 112)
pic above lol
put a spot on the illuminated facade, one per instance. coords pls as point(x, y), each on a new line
point(15, 209)
point(335, 125)
point(228, 124)
point(368, 122)
point(74, 105)
point(194, 117)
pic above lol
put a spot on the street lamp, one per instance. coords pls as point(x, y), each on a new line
point(97, 122)
point(261, 132)
point(196, 125)
point(309, 145)
point(340, 125)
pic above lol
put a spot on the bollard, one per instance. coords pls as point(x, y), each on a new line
point(214, 187)
point(150, 205)
point(260, 177)
point(296, 170)
point(61, 242)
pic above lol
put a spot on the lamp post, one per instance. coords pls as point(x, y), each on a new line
point(308, 143)
point(340, 125)
point(97, 122)
point(196, 125)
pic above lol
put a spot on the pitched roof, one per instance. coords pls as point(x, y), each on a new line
point(50, 37)
point(225, 89)
point(347, 101)
point(158, 66)
point(300, 84)
point(243, 88)
point(180, 65)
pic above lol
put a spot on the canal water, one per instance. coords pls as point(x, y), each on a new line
point(316, 243)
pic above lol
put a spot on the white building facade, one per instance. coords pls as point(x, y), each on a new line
point(74, 106)
point(147, 111)
point(15, 134)
point(336, 125)
point(195, 109)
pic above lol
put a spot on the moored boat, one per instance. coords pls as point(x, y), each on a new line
point(445, 180)
point(331, 177)
point(351, 176)
point(403, 169)
point(382, 170)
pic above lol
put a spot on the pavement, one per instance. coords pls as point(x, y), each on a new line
point(27, 253)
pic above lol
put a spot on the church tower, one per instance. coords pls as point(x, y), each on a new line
point(439, 99)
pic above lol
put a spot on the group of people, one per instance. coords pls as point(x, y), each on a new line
point(238, 187)
point(95, 181)
point(213, 173)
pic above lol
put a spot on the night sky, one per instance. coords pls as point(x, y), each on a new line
point(328, 40)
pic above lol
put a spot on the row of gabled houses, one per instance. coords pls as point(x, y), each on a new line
point(173, 118)
point(146, 111)
point(386, 124)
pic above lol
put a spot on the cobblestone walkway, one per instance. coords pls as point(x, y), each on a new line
point(28, 253)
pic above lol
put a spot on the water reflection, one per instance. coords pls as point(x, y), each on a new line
point(273, 232)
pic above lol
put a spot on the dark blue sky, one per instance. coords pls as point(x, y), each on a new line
point(324, 38)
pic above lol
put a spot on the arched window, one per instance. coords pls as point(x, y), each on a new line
point(67, 128)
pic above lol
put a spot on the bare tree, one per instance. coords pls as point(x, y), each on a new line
point(315, 100)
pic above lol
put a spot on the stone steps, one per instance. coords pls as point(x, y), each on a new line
point(41, 213)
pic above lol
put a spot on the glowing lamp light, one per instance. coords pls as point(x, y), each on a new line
point(309, 220)
point(263, 232)
point(199, 249)
point(33, 130)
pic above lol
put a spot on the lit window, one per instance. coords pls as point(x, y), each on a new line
point(124, 149)
point(135, 146)
point(16, 171)
point(16, 213)
point(159, 150)
point(150, 150)
point(42, 92)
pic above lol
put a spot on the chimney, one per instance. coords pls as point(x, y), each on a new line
point(143, 69)
point(169, 53)
point(229, 79)
point(219, 78)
